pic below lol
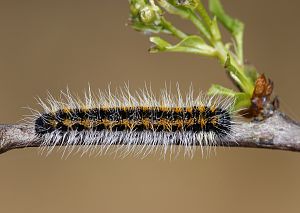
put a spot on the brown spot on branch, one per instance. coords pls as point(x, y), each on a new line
point(262, 104)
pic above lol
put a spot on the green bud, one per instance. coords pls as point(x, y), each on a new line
point(135, 6)
point(191, 4)
point(147, 15)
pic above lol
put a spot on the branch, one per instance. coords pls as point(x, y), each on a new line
point(276, 132)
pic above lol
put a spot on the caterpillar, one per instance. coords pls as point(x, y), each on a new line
point(139, 123)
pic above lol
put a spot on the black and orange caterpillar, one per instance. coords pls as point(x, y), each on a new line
point(99, 123)
point(194, 119)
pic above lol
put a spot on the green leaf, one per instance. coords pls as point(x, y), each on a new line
point(242, 100)
point(244, 83)
point(220, 90)
point(191, 44)
point(234, 26)
point(160, 44)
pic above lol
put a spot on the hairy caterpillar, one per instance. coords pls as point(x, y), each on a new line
point(139, 123)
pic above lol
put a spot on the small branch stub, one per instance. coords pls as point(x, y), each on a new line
point(262, 103)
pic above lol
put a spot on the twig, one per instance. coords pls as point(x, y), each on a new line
point(276, 132)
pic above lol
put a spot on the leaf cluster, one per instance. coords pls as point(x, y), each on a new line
point(150, 16)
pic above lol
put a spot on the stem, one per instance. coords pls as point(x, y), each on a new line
point(239, 47)
point(203, 13)
point(199, 25)
point(245, 84)
point(175, 31)
point(185, 14)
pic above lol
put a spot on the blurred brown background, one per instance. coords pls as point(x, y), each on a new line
point(48, 45)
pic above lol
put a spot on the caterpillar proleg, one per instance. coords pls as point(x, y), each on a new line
point(138, 123)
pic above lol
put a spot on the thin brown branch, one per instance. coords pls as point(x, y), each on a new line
point(276, 132)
